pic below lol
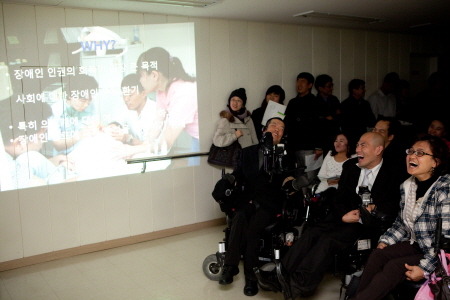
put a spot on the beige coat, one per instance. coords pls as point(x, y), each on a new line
point(225, 136)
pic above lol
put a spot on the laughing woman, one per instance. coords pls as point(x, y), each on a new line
point(406, 250)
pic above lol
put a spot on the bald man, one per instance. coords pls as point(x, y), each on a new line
point(307, 261)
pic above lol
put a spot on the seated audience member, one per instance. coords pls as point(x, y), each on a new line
point(305, 264)
point(250, 218)
point(356, 114)
point(382, 101)
point(329, 110)
point(438, 127)
point(74, 118)
point(405, 111)
point(28, 167)
point(406, 250)
point(331, 169)
point(303, 120)
point(276, 94)
point(394, 149)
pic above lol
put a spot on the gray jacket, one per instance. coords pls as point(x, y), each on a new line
point(225, 136)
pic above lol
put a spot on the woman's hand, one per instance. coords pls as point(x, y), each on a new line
point(381, 246)
point(238, 133)
point(414, 273)
point(333, 181)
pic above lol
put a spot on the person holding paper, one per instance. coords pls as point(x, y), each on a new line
point(332, 164)
point(276, 94)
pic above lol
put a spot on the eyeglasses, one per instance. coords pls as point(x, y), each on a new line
point(236, 100)
point(418, 153)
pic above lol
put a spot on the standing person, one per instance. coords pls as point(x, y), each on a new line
point(383, 101)
point(276, 94)
point(331, 169)
point(406, 250)
point(236, 124)
point(329, 110)
point(302, 119)
point(176, 93)
point(355, 111)
point(74, 118)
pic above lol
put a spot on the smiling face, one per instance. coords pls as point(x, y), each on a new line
point(236, 103)
point(276, 127)
point(303, 86)
point(369, 150)
point(341, 144)
point(437, 128)
point(421, 167)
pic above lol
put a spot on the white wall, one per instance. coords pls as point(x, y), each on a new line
point(230, 54)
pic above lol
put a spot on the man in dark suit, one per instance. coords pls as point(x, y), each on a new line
point(304, 266)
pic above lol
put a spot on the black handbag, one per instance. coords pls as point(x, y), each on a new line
point(225, 156)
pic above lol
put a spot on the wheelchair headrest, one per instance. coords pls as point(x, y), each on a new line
point(223, 191)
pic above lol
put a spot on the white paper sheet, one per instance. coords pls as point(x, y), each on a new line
point(273, 110)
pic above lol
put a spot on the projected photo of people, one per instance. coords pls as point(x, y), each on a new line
point(176, 94)
point(109, 95)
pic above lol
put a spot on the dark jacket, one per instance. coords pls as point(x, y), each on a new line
point(261, 187)
point(329, 108)
point(257, 116)
point(385, 191)
point(356, 116)
point(302, 120)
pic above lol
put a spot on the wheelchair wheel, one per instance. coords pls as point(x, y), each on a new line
point(211, 268)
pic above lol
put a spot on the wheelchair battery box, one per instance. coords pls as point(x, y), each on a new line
point(363, 244)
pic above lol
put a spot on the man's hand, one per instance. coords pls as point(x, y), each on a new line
point(414, 273)
point(381, 246)
point(318, 154)
point(351, 216)
point(370, 207)
point(287, 179)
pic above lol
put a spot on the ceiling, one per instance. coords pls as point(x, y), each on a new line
point(400, 15)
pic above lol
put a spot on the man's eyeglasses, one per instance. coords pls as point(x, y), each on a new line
point(418, 153)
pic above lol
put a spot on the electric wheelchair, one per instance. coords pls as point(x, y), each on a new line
point(276, 239)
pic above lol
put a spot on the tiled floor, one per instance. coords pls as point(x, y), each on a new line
point(164, 269)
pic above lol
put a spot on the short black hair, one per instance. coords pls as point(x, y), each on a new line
point(354, 84)
point(278, 90)
point(307, 76)
point(391, 78)
point(394, 124)
point(132, 80)
point(322, 80)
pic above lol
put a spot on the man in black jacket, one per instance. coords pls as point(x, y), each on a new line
point(356, 114)
point(309, 258)
point(329, 111)
point(303, 120)
point(266, 201)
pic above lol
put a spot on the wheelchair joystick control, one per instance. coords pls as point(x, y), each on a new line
point(221, 247)
point(277, 253)
point(365, 195)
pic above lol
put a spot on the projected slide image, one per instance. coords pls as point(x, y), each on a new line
point(132, 95)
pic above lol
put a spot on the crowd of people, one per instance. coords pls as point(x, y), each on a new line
point(362, 144)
